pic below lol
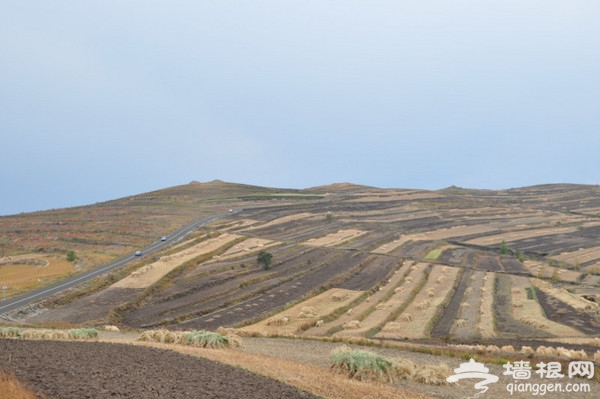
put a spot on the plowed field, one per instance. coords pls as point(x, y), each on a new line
point(77, 370)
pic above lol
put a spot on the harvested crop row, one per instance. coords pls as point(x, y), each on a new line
point(47, 334)
point(151, 273)
point(334, 238)
point(415, 319)
point(564, 295)
point(405, 288)
point(583, 255)
point(201, 338)
point(453, 232)
point(307, 312)
point(390, 246)
point(527, 310)
point(542, 270)
point(465, 325)
point(247, 246)
point(519, 235)
point(485, 321)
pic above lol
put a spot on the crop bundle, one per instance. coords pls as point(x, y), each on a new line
point(363, 365)
point(10, 332)
point(202, 338)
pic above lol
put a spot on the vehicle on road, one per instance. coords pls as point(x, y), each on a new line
point(163, 238)
point(138, 253)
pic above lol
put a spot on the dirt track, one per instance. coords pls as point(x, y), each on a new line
point(100, 370)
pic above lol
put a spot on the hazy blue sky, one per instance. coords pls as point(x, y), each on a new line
point(103, 99)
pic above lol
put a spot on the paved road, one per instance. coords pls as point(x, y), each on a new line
point(22, 300)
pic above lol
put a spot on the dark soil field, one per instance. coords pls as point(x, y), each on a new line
point(77, 370)
point(488, 263)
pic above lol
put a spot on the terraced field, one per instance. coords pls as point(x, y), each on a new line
point(454, 264)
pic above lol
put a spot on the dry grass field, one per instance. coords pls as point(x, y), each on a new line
point(151, 273)
point(334, 238)
point(25, 272)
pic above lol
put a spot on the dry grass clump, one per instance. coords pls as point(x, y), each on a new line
point(406, 317)
point(433, 374)
point(392, 327)
point(596, 356)
point(460, 323)
point(423, 305)
point(278, 321)
point(527, 350)
point(11, 387)
point(571, 354)
point(163, 336)
point(533, 322)
point(507, 348)
point(517, 304)
point(545, 351)
point(339, 296)
point(405, 368)
point(111, 328)
point(10, 332)
point(307, 312)
point(363, 365)
point(232, 334)
point(82, 333)
point(352, 325)
point(61, 335)
point(493, 348)
point(202, 338)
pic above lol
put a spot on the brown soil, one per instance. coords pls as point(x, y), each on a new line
point(101, 370)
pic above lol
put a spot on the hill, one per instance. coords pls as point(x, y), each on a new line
point(340, 236)
point(493, 272)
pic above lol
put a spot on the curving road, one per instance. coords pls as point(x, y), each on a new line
point(24, 299)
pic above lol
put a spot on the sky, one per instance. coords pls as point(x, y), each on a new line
point(105, 99)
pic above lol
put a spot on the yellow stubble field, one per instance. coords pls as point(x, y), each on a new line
point(23, 272)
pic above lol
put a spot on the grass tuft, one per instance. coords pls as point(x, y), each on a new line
point(202, 338)
point(83, 333)
point(362, 365)
point(10, 332)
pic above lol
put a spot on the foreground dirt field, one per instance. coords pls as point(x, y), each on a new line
point(123, 368)
point(76, 370)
